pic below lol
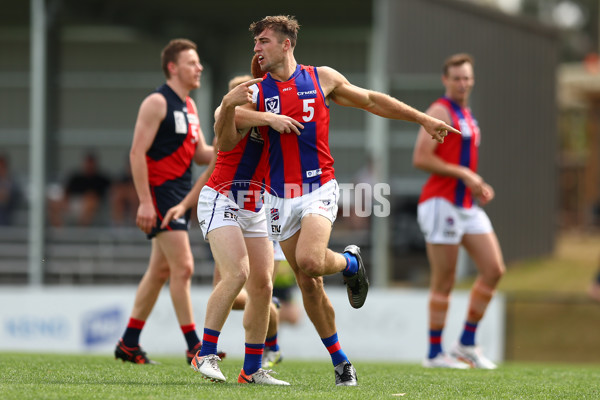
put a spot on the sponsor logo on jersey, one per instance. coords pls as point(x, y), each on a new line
point(181, 126)
point(309, 94)
point(314, 172)
point(286, 89)
point(272, 104)
point(193, 119)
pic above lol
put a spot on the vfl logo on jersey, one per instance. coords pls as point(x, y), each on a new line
point(465, 129)
point(272, 104)
point(180, 122)
point(274, 214)
point(313, 173)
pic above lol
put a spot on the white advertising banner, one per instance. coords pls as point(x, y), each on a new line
point(392, 325)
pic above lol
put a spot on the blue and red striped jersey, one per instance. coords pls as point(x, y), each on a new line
point(239, 173)
point(297, 164)
point(456, 149)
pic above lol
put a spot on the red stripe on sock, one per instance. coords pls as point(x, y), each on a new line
point(188, 328)
point(334, 347)
point(210, 338)
point(250, 350)
point(136, 323)
point(435, 340)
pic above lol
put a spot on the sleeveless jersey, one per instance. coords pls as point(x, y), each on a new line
point(239, 173)
point(296, 164)
point(456, 149)
point(171, 154)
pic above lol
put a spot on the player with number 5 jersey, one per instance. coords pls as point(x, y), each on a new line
point(308, 163)
point(301, 191)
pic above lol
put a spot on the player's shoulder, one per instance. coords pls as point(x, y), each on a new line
point(325, 71)
point(155, 98)
point(330, 78)
point(439, 110)
point(155, 103)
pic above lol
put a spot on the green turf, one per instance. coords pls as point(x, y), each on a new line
point(47, 376)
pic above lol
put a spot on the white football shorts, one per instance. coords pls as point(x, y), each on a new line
point(216, 210)
point(444, 223)
point(284, 216)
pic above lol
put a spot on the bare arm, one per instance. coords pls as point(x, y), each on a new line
point(152, 111)
point(247, 117)
point(424, 158)
point(225, 127)
point(342, 92)
point(236, 114)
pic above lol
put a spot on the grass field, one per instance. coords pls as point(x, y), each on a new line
point(561, 280)
point(45, 376)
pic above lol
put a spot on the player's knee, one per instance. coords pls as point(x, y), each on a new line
point(495, 273)
point(259, 289)
point(235, 279)
point(160, 274)
point(183, 272)
point(500, 271)
point(311, 265)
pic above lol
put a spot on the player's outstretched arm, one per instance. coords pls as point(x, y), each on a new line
point(342, 92)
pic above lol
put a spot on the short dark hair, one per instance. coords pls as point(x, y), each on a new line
point(171, 52)
point(456, 60)
point(284, 25)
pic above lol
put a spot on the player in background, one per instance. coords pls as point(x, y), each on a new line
point(450, 216)
point(302, 193)
point(166, 139)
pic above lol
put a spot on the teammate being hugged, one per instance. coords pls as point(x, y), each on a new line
point(301, 191)
point(166, 139)
point(232, 221)
point(450, 216)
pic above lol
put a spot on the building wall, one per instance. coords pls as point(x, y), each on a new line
point(513, 99)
